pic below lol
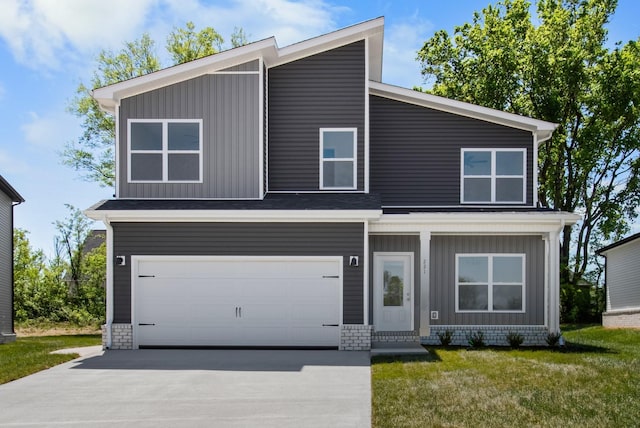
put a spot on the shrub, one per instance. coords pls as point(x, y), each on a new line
point(553, 339)
point(476, 340)
point(445, 337)
point(515, 339)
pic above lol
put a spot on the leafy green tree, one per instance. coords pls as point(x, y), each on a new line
point(556, 67)
point(93, 153)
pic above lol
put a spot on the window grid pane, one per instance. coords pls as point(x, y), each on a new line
point(338, 158)
point(493, 176)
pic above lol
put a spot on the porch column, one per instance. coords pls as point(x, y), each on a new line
point(554, 282)
point(425, 248)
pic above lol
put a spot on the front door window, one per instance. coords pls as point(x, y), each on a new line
point(393, 291)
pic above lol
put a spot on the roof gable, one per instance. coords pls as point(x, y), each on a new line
point(10, 191)
point(266, 50)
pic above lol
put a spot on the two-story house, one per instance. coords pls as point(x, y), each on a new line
point(271, 196)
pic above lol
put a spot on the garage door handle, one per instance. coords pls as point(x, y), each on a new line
point(143, 323)
point(238, 312)
point(146, 276)
point(331, 276)
point(330, 325)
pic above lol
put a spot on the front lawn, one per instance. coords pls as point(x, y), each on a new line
point(594, 382)
point(28, 355)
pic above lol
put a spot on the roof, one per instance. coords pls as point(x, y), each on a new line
point(10, 191)
point(626, 240)
point(267, 50)
point(542, 129)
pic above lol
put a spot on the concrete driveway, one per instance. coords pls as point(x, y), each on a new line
point(196, 388)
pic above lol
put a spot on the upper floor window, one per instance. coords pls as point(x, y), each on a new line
point(493, 176)
point(165, 150)
point(338, 158)
point(490, 282)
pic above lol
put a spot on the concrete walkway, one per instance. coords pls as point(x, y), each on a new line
point(196, 388)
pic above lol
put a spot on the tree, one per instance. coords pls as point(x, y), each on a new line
point(72, 237)
point(557, 70)
point(93, 153)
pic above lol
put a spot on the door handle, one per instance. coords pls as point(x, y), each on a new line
point(144, 323)
point(330, 325)
point(240, 311)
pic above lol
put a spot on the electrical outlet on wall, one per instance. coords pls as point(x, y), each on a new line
point(434, 315)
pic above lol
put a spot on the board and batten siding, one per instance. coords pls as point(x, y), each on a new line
point(228, 105)
point(6, 265)
point(442, 280)
point(623, 277)
point(396, 244)
point(241, 239)
point(326, 90)
point(415, 152)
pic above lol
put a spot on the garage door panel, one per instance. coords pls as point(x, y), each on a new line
point(241, 302)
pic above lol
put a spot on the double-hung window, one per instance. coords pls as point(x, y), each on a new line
point(165, 150)
point(493, 176)
point(338, 164)
point(490, 282)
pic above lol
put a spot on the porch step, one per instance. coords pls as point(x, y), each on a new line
point(397, 348)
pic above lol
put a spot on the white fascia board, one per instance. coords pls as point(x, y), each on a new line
point(233, 215)
point(473, 223)
point(108, 96)
point(542, 129)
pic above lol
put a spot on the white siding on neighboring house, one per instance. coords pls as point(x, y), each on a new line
point(623, 276)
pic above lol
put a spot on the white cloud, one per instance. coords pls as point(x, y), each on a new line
point(44, 33)
point(402, 41)
point(49, 132)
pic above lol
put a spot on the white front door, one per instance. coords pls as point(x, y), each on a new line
point(393, 291)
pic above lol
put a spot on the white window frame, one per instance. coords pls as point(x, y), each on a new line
point(490, 282)
point(165, 152)
point(354, 159)
point(493, 175)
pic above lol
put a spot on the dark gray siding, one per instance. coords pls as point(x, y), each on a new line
point(415, 152)
point(255, 239)
point(401, 244)
point(321, 91)
point(6, 266)
point(229, 107)
point(442, 278)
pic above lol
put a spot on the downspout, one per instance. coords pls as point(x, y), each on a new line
point(13, 287)
point(109, 291)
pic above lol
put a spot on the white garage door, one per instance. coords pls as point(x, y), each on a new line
point(236, 301)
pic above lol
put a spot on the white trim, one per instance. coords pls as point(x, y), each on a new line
point(366, 116)
point(235, 72)
point(376, 296)
point(261, 126)
point(493, 176)
point(491, 283)
point(425, 258)
point(109, 283)
point(365, 274)
point(312, 192)
point(545, 239)
point(542, 129)
point(554, 280)
point(354, 159)
point(534, 162)
point(234, 216)
point(266, 133)
point(136, 259)
point(116, 160)
point(165, 152)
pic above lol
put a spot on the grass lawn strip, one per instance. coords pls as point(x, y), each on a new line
point(28, 355)
point(595, 381)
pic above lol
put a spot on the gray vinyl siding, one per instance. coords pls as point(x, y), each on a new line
point(400, 244)
point(6, 265)
point(255, 239)
point(623, 277)
point(247, 66)
point(415, 152)
point(321, 91)
point(228, 104)
point(442, 278)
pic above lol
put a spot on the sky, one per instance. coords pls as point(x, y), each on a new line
point(48, 47)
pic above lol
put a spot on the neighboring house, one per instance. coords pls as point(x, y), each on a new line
point(622, 282)
point(272, 196)
point(8, 198)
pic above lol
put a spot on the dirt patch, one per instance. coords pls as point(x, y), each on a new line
point(61, 330)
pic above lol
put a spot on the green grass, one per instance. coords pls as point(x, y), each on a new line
point(31, 354)
point(593, 382)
